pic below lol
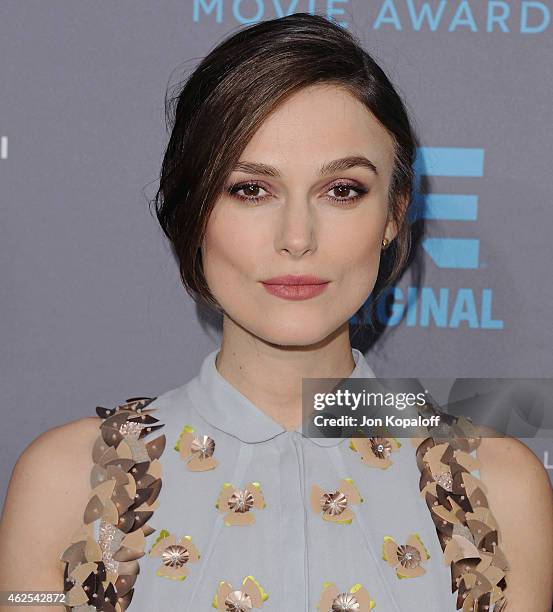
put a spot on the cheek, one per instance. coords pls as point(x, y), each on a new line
point(357, 249)
point(229, 250)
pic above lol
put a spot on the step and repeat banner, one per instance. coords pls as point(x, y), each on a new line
point(92, 307)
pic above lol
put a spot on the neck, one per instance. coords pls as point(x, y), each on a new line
point(270, 375)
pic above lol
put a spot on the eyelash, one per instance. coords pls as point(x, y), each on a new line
point(233, 189)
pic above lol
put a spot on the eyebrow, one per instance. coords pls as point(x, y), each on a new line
point(336, 165)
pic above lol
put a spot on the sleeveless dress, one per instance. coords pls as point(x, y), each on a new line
point(225, 509)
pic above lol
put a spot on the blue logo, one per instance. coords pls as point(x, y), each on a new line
point(452, 16)
point(453, 162)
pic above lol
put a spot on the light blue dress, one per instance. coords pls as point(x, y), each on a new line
point(250, 516)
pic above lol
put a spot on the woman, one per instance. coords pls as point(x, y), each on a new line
point(290, 156)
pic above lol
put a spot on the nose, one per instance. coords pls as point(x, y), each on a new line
point(296, 228)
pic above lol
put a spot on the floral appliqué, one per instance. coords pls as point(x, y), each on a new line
point(174, 555)
point(250, 595)
point(335, 505)
point(406, 559)
point(375, 452)
point(236, 504)
point(197, 451)
point(357, 599)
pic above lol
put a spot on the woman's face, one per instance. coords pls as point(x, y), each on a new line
point(291, 219)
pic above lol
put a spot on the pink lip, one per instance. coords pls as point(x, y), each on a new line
point(296, 287)
point(302, 279)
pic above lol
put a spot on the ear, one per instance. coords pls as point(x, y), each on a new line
point(391, 230)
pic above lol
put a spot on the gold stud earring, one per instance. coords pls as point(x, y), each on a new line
point(385, 242)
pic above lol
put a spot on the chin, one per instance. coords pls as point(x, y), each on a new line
point(298, 332)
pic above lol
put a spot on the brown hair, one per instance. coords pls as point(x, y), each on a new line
point(225, 100)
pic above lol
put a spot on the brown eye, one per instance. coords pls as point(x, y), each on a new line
point(250, 191)
point(341, 191)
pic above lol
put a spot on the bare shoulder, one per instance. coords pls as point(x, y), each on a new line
point(46, 497)
point(520, 498)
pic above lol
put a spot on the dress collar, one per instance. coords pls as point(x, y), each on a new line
point(225, 408)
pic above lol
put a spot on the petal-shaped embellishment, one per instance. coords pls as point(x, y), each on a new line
point(74, 554)
point(104, 491)
point(345, 517)
point(445, 515)
point(93, 510)
point(224, 496)
point(155, 469)
point(406, 572)
point(316, 494)
point(362, 595)
point(121, 463)
point(175, 573)
point(239, 518)
point(258, 499)
point(122, 501)
point(163, 540)
point(121, 478)
point(482, 515)
point(349, 489)
point(156, 447)
point(255, 591)
point(134, 540)
point(124, 583)
point(127, 554)
point(140, 518)
point(223, 591)
point(328, 595)
point(186, 541)
point(185, 442)
point(77, 596)
point(389, 551)
point(466, 548)
point(415, 541)
point(99, 449)
point(92, 551)
point(81, 573)
point(124, 450)
point(109, 456)
point(110, 514)
point(493, 574)
point(98, 475)
point(195, 464)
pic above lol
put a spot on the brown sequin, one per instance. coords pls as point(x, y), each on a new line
point(334, 503)
point(126, 481)
point(241, 500)
point(175, 556)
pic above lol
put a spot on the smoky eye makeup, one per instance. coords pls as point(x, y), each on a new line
point(346, 191)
